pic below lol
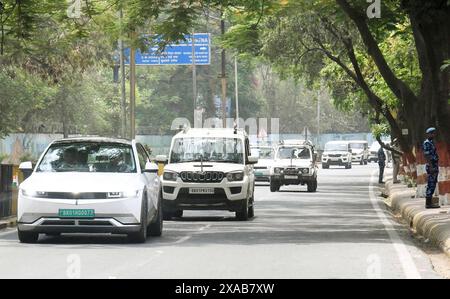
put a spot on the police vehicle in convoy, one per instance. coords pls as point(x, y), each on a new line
point(209, 169)
point(294, 164)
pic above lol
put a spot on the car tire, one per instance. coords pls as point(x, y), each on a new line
point(178, 214)
point(251, 208)
point(243, 215)
point(155, 229)
point(141, 235)
point(27, 237)
point(274, 187)
point(325, 166)
point(312, 186)
point(167, 215)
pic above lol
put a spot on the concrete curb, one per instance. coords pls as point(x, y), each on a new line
point(8, 222)
point(433, 225)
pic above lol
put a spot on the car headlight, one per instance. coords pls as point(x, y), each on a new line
point(170, 176)
point(278, 170)
point(32, 193)
point(235, 176)
point(305, 170)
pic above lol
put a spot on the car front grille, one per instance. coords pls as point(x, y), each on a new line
point(260, 167)
point(335, 155)
point(70, 195)
point(202, 177)
point(291, 171)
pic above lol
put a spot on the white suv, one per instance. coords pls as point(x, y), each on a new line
point(294, 164)
point(91, 185)
point(209, 169)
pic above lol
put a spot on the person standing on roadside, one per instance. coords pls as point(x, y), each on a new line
point(432, 167)
point(381, 164)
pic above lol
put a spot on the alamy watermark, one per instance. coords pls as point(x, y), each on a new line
point(74, 9)
point(374, 9)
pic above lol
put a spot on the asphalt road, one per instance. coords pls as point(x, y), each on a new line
point(342, 231)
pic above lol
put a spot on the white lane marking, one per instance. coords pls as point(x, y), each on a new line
point(188, 237)
point(406, 260)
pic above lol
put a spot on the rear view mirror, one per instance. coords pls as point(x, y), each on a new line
point(24, 166)
point(150, 168)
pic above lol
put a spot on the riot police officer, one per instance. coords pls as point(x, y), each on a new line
point(432, 167)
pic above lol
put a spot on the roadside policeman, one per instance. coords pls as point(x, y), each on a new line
point(381, 164)
point(432, 167)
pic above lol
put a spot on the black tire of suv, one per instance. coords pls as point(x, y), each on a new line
point(366, 162)
point(242, 215)
point(251, 209)
point(167, 215)
point(27, 237)
point(312, 186)
point(325, 166)
point(178, 214)
point(141, 235)
point(155, 229)
point(274, 187)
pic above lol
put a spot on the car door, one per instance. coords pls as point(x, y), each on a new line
point(151, 179)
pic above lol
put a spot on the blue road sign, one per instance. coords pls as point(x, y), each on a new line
point(177, 54)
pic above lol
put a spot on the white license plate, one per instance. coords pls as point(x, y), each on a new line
point(201, 190)
point(291, 177)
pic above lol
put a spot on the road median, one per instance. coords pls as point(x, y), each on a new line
point(433, 225)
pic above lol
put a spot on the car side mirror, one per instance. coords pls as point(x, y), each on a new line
point(26, 168)
point(161, 159)
point(252, 160)
point(150, 168)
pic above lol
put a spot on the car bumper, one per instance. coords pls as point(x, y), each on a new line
point(227, 195)
point(301, 179)
point(335, 161)
point(95, 225)
point(111, 215)
point(262, 175)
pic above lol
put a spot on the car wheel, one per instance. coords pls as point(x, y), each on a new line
point(325, 166)
point(274, 187)
point(243, 215)
point(312, 186)
point(141, 235)
point(251, 209)
point(27, 237)
point(155, 229)
point(366, 162)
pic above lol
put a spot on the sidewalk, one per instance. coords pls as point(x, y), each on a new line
point(8, 222)
point(433, 224)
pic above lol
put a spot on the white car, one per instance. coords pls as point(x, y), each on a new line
point(265, 156)
point(294, 164)
point(360, 151)
point(91, 185)
point(209, 169)
point(337, 153)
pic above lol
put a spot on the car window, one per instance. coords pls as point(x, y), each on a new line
point(142, 156)
point(88, 157)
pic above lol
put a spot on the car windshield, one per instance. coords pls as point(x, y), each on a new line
point(336, 147)
point(88, 157)
point(263, 152)
point(212, 149)
point(294, 153)
point(357, 145)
